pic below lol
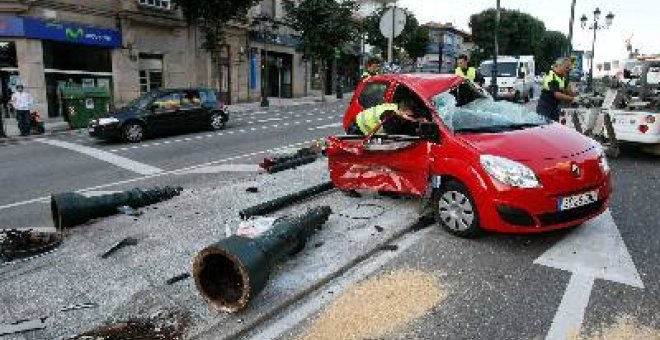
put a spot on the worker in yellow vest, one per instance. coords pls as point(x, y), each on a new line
point(464, 70)
point(555, 90)
point(369, 119)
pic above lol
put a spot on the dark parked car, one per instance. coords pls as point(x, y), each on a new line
point(162, 111)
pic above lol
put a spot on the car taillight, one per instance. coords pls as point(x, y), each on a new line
point(649, 119)
point(643, 128)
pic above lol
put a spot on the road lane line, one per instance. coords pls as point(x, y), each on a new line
point(325, 126)
point(570, 313)
point(122, 162)
point(269, 120)
point(46, 199)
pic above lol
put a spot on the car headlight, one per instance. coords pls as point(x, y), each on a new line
point(108, 121)
point(509, 172)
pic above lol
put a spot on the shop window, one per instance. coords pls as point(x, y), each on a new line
point(8, 54)
point(151, 72)
point(164, 4)
point(74, 57)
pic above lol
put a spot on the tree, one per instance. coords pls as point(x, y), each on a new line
point(520, 33)
point(552, 46)
point(325, 26)
point(213, 18)
point(414, 39)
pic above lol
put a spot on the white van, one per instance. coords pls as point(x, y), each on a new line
point(515, 76)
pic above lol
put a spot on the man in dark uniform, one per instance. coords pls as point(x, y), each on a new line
point(373, 68)
point(555, 90)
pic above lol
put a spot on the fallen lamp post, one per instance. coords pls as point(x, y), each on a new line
point(280, 202)
point(71, 209)
point(229, 273)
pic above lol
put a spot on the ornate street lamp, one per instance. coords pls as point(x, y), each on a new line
point(266, 26)
point(595, 26)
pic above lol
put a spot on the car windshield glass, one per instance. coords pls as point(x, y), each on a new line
point(503, 69)
point(140, 102)
point(484, 115)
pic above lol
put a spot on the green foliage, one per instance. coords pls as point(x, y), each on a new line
point(552, 47)
point(519, 34)
point(213, 16)
point(414, 39)
point(323, 24)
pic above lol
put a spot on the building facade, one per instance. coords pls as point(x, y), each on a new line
point(133, 46)
point(446, 40)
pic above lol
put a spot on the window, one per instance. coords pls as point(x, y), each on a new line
point(168, 101)
point(164, 4)
point(373, 94)
point(151, 72)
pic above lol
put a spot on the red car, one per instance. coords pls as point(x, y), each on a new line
point(486, 165)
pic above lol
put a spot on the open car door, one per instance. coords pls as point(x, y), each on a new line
point(394, 163)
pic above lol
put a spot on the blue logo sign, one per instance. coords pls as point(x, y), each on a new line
point(58, 31)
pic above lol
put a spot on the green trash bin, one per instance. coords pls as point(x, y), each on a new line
point(81, 104)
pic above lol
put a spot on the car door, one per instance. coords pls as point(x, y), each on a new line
point(372, 93)
point(394, 163)
point(192, 114)
point(163, 115)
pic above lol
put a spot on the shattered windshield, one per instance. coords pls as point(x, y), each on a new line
point(484, 115)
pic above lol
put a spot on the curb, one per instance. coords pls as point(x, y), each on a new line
point(250, 326)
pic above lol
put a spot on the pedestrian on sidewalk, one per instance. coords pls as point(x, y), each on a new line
point(21, 102)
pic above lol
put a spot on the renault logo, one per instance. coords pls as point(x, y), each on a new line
point(575, 170)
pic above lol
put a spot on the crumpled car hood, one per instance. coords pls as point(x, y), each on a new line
point(552, 141)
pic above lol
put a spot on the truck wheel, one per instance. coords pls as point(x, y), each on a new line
point(516, 97)
point(456, 211)
point(133, 132)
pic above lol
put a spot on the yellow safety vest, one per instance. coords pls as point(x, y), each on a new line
point(471, 73)
point(368, 119)
point(550, 77)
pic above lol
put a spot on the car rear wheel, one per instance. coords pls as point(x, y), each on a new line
point(133, 132)
point(456, 211)
point(217, 121)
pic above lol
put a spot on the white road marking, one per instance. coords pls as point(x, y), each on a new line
point(593, 251)
point(297, 123)
point(296, 314)
point(286, 124)
point(168, 142)
point(269, 120)
point(199, 137)
point(308, 121)
point(46, 199)
point(122, 162)
point(325, 126)
point(209, 135)
point(274, 125)
point(187, 139)
point(155, 144)
point(214, 169)
point(264, 127)
point(253, 129)
point(241, 130)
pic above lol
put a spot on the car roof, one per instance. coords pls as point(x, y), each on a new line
point(426, 85)
point(201, 88)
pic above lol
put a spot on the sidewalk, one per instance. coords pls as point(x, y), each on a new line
point(56, 127)
point(131, 285)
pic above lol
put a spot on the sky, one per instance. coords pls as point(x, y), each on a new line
point(640, 18)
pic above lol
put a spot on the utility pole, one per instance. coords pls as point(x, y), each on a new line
point(390, 40)
point(441, 40)
point(570, 25)
point(493, 79)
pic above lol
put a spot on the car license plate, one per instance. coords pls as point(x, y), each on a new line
point(571, 202)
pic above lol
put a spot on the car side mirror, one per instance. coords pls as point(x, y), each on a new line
point(429, 132)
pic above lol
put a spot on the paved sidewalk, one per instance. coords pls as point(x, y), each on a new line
point(131, 283)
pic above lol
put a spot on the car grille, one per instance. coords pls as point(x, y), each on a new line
point(570, 215)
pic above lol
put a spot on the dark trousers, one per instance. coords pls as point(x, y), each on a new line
point(23, 119)
point(548, 110)
point(354, 129)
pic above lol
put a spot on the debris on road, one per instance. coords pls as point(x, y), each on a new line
point(291, 164)
point(71, 209)
point(255, 227)
point(389, 247)
point(38, 323)
point(252, 190)
point(177, 278)
point(300, 157)
point(378, 306)
point(171, 327)
point(281, 202)
point(378, 228)
point(21, 244)
point(232, 271)
point(128, 241)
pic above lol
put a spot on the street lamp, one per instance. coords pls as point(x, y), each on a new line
point(440, 39)
point(595, 26)
point(266, 26)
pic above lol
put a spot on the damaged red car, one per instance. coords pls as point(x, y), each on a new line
point(485, 165)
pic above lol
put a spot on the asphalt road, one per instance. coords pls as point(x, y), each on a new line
point(31, 171)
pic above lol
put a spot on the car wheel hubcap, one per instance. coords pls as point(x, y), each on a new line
point(216, 122)
point(134, 132)
point(456, 211)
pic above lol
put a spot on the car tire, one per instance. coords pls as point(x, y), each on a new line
point(456, 211)
point(516, 97)
point(218, 121)
point(132, 132)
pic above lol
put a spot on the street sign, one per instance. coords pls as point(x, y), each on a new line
point(387, 21)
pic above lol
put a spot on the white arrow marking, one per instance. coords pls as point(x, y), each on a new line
point(593, 251)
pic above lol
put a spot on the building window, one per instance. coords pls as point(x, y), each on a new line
point(164, 4)
point(151, 72)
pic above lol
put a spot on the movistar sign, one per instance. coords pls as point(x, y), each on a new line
point(70, 32)
point(74, 34)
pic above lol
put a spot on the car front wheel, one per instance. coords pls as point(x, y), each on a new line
point(217, 121)
point(133, 132)
point(456, 211)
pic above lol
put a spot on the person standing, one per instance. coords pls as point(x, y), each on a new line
point(21, 102)
point(373, 68)
point(554, 90)
point(464, 70)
